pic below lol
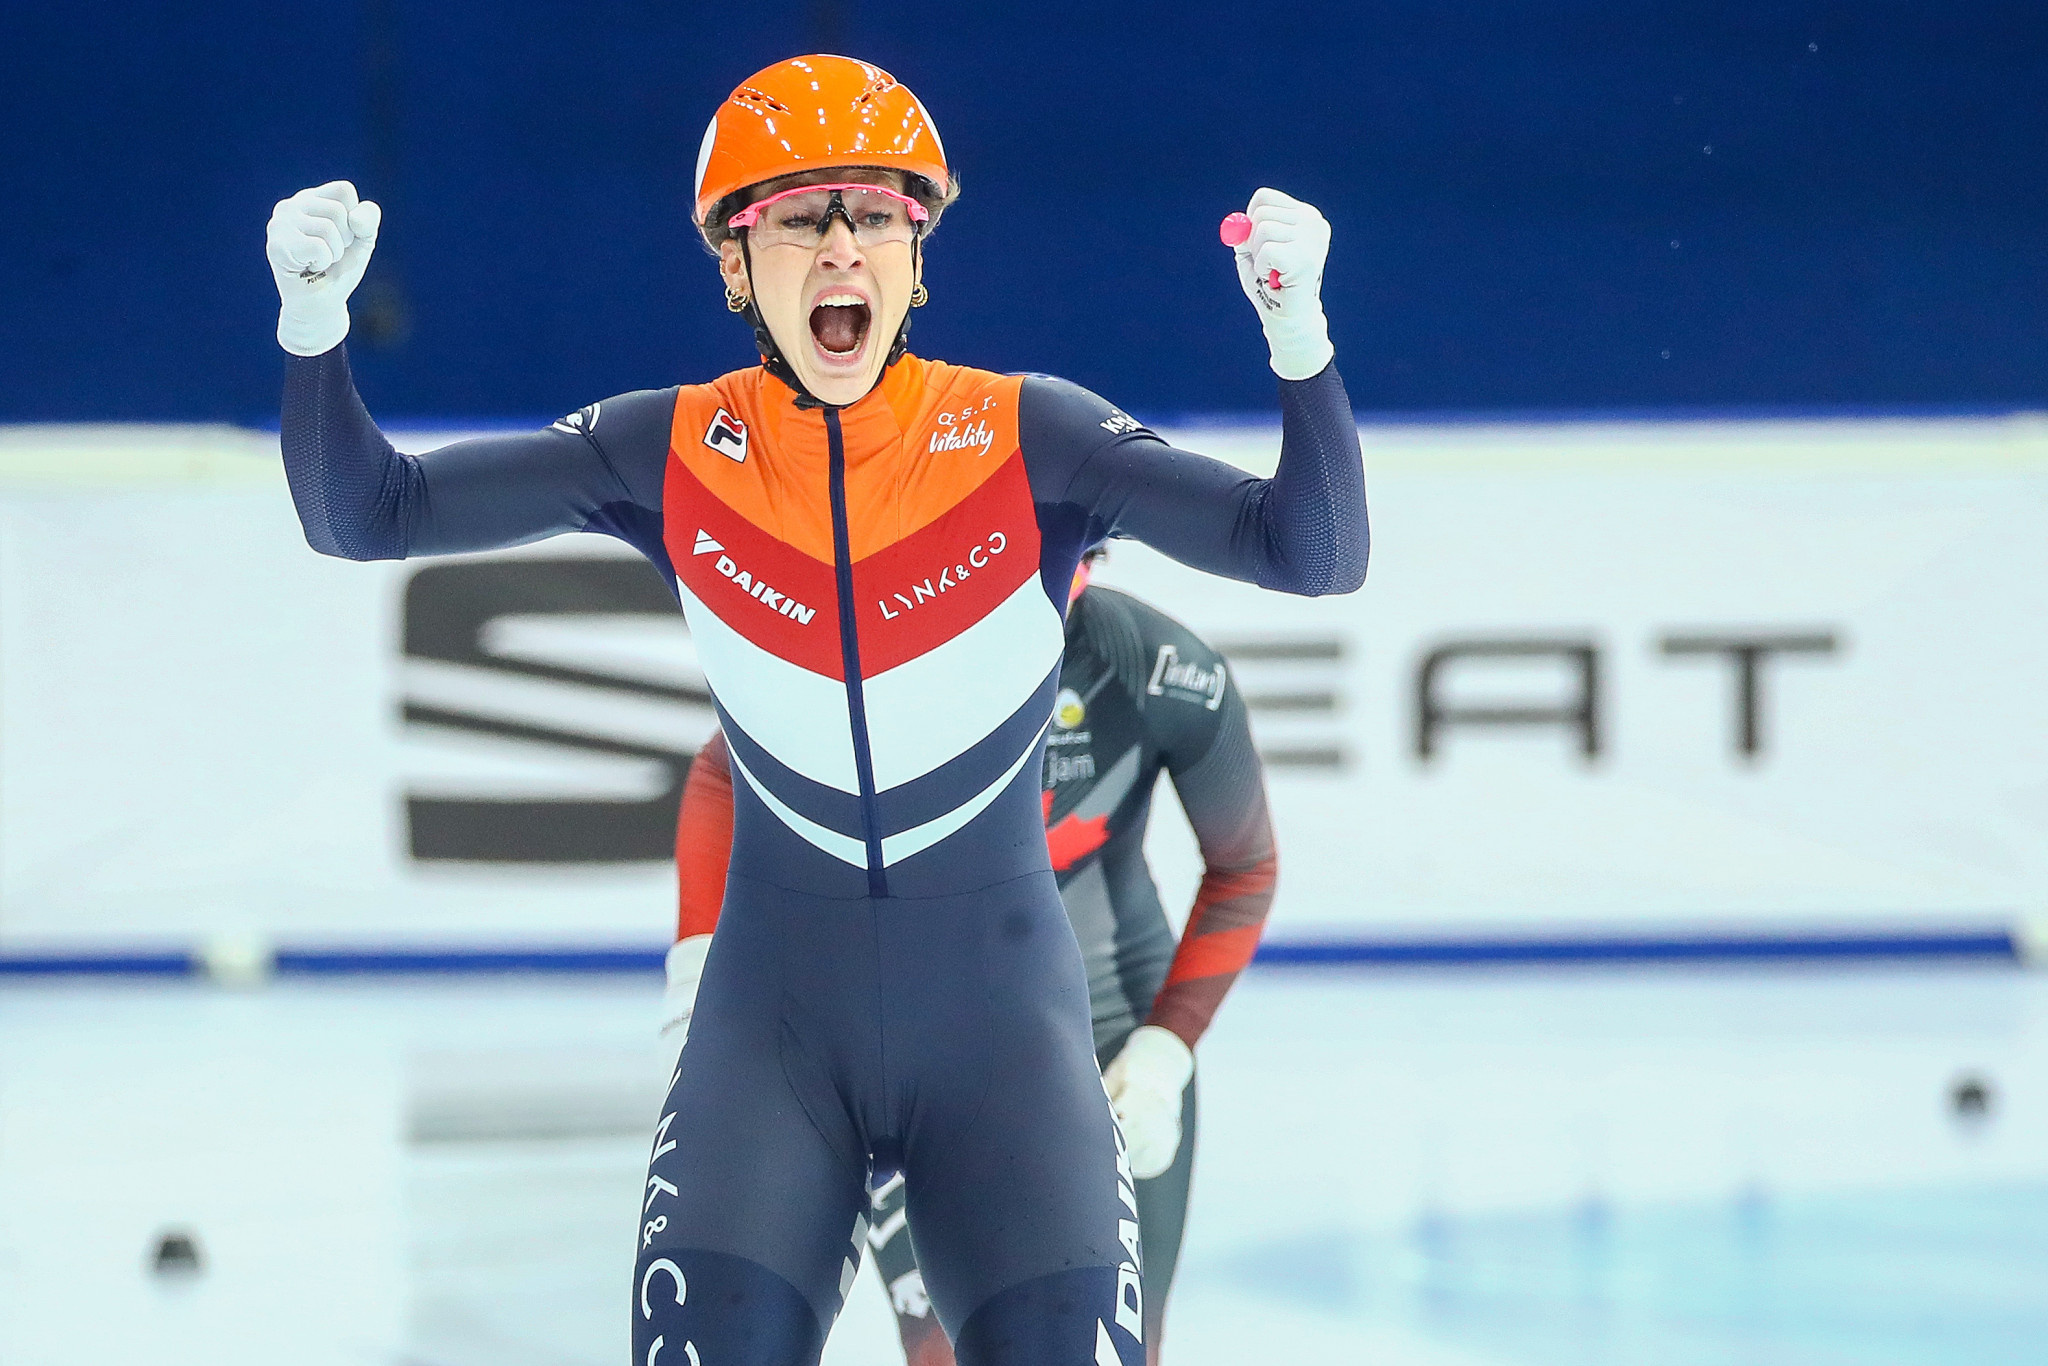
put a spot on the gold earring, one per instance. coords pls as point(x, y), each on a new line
point(920, 296)
point(735, 301)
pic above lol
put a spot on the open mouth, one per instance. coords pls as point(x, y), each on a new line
point(839, 325)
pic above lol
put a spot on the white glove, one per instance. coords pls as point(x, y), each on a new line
point(685, 967)
point(1294, 239)
point(319, 245)
point(1144, 1084)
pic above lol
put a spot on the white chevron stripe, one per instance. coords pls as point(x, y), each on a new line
point(796, 715)
point(1105, 1350)
point(928, 710)
point(897, 847)
point(841, 847)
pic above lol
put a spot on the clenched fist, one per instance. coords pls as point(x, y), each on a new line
point(1292, 238)
point(319, 245)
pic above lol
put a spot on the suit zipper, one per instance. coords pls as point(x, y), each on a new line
point(849, 652)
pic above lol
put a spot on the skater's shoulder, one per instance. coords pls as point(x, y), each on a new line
point(1147, 623)
point(1058, 419)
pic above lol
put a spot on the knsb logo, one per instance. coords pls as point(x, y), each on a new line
point(975, 437)
point(754, 588)
point(728, 436)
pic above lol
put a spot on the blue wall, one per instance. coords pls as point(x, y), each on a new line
point(1506, 181)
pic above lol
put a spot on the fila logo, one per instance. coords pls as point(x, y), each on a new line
point(582, 422)
point(705, 545)
point(727, 435)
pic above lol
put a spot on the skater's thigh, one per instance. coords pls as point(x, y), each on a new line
point(1032, 1188)
point(753, 1214)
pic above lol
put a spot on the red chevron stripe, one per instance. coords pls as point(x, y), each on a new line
point(767, 590)
point(937, 582)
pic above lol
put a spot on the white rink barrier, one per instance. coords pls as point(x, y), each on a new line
point(1607, 683)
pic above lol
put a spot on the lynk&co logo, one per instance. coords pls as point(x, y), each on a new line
point(665, 1267)
point(1298, 689)
point(995, 543)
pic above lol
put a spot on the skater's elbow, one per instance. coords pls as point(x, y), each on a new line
point(361, 544)
point(1349, 575)
point(1338, 569)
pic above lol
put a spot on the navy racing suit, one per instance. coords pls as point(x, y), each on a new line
point(876, 594)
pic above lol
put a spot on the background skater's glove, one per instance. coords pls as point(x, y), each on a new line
point(685, 966)
point(1144, 1083)
point(1294, 239)
point(319, 245)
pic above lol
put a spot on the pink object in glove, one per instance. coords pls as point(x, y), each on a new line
point(1236, 230)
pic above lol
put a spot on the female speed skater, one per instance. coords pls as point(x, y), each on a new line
point(872, 551)
point(1139, 694)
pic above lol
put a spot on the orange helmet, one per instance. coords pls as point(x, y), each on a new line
point(813, 112)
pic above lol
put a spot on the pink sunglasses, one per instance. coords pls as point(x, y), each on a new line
point(750, 215)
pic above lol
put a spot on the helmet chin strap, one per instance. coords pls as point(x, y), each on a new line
point(778, 365)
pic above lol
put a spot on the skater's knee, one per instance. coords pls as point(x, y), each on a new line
point(693, 1307)
point(1086, 1314)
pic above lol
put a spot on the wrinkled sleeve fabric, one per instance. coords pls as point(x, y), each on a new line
point(1302, 531)
point(358, 498)
point(704, 839)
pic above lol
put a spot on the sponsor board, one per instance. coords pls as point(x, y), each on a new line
point(1598, 676)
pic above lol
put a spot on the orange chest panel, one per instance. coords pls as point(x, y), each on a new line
point(940, 522)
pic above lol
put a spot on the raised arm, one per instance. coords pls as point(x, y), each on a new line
point(358, 498)
point(1301, 531)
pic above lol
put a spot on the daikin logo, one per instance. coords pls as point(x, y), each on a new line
point(705, 545)
point(779, 601)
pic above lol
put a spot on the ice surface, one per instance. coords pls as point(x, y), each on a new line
point(1452, 1169)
